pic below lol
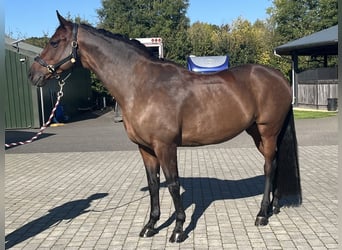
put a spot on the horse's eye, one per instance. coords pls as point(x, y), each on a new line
point(54, 43)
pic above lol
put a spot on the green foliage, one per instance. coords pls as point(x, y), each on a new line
point(38, 41)
point(293, 19)
point(97, 86)
point(201, 37)
point(245, 46)
point(328, 11)
point(146, 18)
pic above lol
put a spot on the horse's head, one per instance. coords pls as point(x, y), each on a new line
point(59, 54)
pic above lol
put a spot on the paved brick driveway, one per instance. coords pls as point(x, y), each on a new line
point(99, 200)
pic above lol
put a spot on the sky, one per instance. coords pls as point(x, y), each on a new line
point(35, 18)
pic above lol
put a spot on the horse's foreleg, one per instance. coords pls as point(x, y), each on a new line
point(152, 167)
point(268, 148)
point(177, 234)
point(167, 155)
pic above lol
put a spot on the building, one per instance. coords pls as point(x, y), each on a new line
point(314, 88)
point(27, 106)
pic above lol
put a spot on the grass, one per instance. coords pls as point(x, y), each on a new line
point(312, 114)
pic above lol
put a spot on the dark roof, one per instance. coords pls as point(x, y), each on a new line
point(24, 48)
point(324, 42)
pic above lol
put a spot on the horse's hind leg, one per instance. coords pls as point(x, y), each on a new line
point(266, 206)
point(152, 171)
point(267, 146)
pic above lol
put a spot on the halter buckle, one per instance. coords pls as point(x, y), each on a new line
point(51, 69)
point(74, 44)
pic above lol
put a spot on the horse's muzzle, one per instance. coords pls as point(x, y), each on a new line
point(36, 78)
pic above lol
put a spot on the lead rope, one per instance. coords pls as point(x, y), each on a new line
point(59, 96)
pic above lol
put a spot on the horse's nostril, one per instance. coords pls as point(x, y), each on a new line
point(35, 78)
point(30, 76)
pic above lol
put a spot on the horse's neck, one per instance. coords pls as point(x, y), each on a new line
point(109, 63)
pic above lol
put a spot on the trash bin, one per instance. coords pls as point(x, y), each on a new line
point(332, 104)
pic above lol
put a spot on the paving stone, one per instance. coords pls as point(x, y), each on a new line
point(99, 200)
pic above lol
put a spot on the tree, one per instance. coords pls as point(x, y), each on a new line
point(293, 19)
point(150, 18)
point(328, 12)
point(220, 39)
point(38, 41)
point(200, 35)
point(242, 45)
point(250, 43)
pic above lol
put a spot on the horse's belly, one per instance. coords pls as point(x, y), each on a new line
point(216, 113)
point(206, 140)
point(212, 132)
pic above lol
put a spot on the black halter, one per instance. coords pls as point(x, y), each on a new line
point(72, 57)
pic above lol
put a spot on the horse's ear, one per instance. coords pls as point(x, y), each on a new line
point(61, 19)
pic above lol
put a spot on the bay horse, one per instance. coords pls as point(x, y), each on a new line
point(165, 106)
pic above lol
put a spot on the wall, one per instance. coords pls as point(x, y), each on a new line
point(21, 97)
point(316, 86)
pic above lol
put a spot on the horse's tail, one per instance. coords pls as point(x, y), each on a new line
point(287, 178)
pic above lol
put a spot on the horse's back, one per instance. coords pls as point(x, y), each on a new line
point(258, 77)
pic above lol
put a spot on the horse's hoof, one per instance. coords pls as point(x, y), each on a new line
point(261, 221)
point(148, 232)
point(276, 210)
point(177, 237)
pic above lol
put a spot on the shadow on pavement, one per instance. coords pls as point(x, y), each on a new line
point(15, 136)
point(67, 211)
point(87, 115)
point(202, 191)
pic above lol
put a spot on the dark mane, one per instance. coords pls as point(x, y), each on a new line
point(135, 43)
